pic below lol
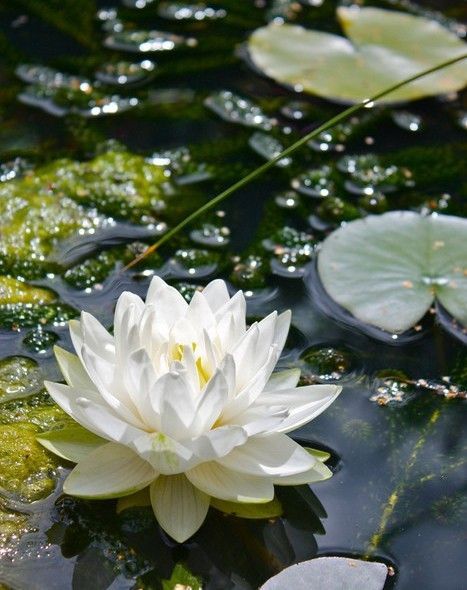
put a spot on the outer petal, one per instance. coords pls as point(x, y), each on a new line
point(216, 294)
point(225, 484)
point(305, 403)
point(269, 455)
point(72, 443)
point(166, 299)
point(282, 329)
point(180, 508)
point(110, 471)
point(72, 369)
point(218, 442)
point(319, 472)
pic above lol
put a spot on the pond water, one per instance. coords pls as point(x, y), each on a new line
point(396, 433)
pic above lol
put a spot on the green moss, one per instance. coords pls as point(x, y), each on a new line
point(13, 291)
point(12, 524)
point(19, 377)
point(27, 470)
point(39, 410)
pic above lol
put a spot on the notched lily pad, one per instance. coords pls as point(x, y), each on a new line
point(387, 270)
point(383, 47)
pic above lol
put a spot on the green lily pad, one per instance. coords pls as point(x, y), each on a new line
point(383, 47)
point(271, 509)
point(387, 270)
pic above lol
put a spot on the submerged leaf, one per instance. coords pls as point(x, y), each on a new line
point(384, 47)
point(388, 269)
point(270, 509)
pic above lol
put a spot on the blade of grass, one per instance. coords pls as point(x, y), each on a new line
point(368, 103)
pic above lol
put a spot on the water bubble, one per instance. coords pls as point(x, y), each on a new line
point(14, 169)
point(211, 235)
point(193, 263)
point(196, 12)
point(145, 41)
point(105, 14)
point(296, 110)
point(123, 73)
point(333, 139)
point(315, 183)
point(39, 340)
point(370, 176)
point(269, 147)
point(137, 3)
point(375, 203)
point(19, 377)
point(287, 200)
point(249, 274)
point(235, 109)
point(406, 120)
point(326, 364)
point(462, 120)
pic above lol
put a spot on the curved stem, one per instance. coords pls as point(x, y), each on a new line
point(368, 103)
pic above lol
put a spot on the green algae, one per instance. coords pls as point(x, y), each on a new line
point(69, 199)
point(13, 291)
point(27, 471)
point(19, 377)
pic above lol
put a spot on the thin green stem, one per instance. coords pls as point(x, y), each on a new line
point(368, 102)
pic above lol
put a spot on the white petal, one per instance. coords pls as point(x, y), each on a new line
point(319, 472)
point(210, 404)
point(180, 508)
point(304, 403)
point(110, 471)
point(225, 484)
point(287, 379)
point(141, 382)
point(178, 405)
point(274, 454)
point(166, 299)
point(72, 369)
point(282, 329)
point(166, 455)
point(199, 312)
point(66, 397)
point(110, 386)
point(97, 336)
point(218, 442)
point(216, 294)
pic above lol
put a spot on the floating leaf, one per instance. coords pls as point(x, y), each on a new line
point(136, 500)
point(387, 270)
point(317, 454)
point(330, 573)
point(384, 47)
point(72, 443)
point(271, 509)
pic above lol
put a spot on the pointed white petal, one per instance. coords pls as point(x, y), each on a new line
point(287, 379)
point(216, 294)
point(178, 405)
point(166, 455)
point(225, 484)
point(211, 401)
point(96, 337)
point(166, 300)
point(274, 454)
point(282, 329)
point(304, 403)
point(319, 472)
point(180, 508)
point(110, 471)
point(218, 442)
point(72, 369)
point(199, 312)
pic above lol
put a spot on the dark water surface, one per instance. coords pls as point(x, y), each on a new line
point(399, 486)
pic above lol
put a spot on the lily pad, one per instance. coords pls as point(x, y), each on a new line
point(387, 270)
point(383, 47)
point(330, 573)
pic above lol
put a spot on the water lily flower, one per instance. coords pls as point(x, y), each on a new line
point(182, 398)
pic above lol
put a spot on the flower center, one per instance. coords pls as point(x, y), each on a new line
point(204, 374)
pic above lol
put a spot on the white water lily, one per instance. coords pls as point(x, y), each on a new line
point(182, 398)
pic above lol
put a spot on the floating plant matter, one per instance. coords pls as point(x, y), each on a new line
point(146, 41)
point(269, 147)
point(388, 270)
point(124, 73)
point(382, 48)
point(235, 109)
point(196, 12)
